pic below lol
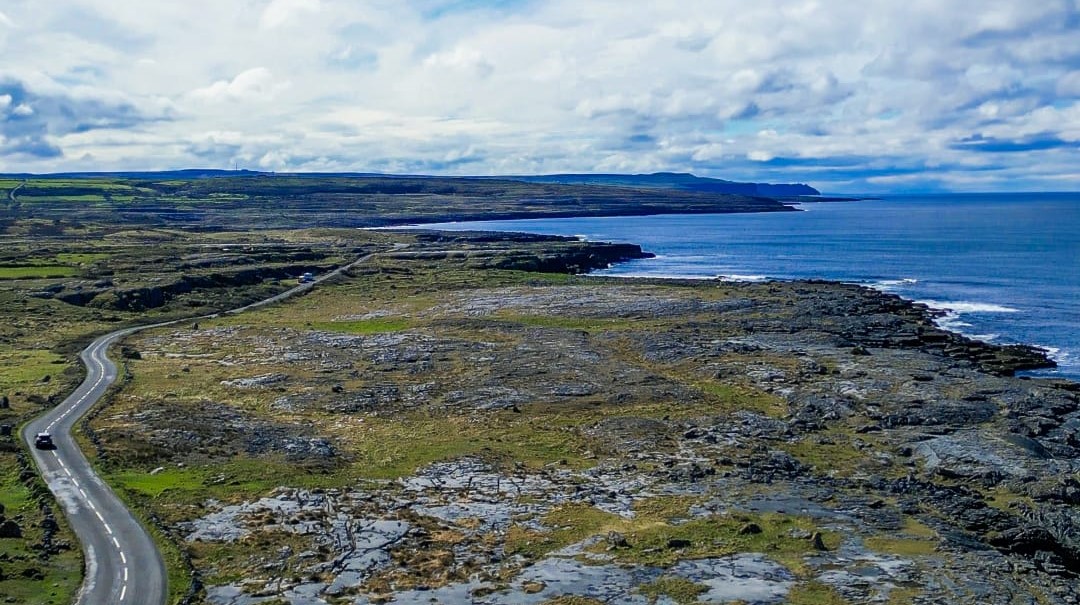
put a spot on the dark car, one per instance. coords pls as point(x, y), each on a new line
point(43, 441)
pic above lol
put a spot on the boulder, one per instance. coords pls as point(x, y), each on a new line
point(10, 529)
point(750, 529)
point(616, 540)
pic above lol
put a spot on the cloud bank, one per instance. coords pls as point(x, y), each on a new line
point(848, 95)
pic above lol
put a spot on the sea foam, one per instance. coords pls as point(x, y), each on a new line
point(886, 284)
point(742, 278)
point(967, 307)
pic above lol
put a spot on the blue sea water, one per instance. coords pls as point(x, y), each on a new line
point(1006, 267)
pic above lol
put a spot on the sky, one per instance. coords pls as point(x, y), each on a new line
point(847, 95)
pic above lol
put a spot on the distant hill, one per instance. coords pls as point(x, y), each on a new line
point(218, 200)
point(184, 174)
point(672, 180)
point(659, 180)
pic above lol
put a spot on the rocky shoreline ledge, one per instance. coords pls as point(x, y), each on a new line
point(466, 432)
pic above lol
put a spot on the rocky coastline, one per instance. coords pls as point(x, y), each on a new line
point(530, 438)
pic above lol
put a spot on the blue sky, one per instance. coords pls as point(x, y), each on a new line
point(850, 96)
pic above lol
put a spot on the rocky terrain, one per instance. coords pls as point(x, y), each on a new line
point(441, 428)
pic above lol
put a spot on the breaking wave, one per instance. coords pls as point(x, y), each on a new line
point(962, 307)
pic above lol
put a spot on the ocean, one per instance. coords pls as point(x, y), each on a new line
point(1004, 267)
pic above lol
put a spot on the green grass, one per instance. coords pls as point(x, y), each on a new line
point(719, 536)
point(81, 258)
point(134, 489)
point(392, 447)
point(913, 540)
point(37, 272)
point(62, 577)
point(19, 368)
point(734, 398)
point(153, 486)
point(660, 521)
point(665, 508)
point(23, 371)
point(571, 523)
point(61, 574)
point(586, 324)
point(79, 191)
point(679, 590)
point(178, 577)
point(234, 480)
point(906, 595)
point(225, 563)
point(835, 454)
point(363, 326)
point(814, 593)
point(388, 448)
point(1003, 498)
point(14, 496)
point(79, 183)
point(904, 547)
point(82, 199)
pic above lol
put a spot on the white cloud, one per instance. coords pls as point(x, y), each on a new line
point(281, 12)
point(709, 152)
point(5, 20)
point(254, 83)
point(561, 85)
point(1069, 85)
point(462, 59)
point(273, 160)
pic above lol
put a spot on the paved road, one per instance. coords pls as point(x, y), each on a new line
point(123, 565)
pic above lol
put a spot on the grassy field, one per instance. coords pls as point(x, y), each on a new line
point(41, 336)
point(654, 526)
point(20, 369)
point(37, 272)
point(81, 258)
point(26, 577)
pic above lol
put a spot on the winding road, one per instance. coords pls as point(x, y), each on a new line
point(123, 565)
point(11, 193)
